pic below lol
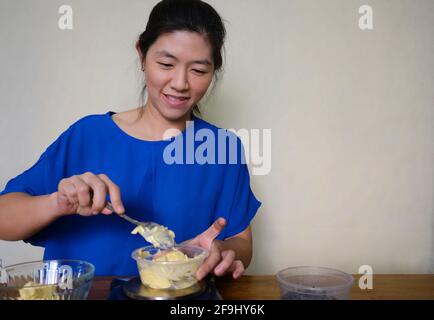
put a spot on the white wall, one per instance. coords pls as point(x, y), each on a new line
point(351, 114)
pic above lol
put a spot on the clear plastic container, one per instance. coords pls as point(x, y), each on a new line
point(169, 275)
point(314, 283)
point(47, 280)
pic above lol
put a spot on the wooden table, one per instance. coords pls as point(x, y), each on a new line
point(385, 287)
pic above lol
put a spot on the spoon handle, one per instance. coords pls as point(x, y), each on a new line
point(124, 216)
point(129, 219)
point(157, 235)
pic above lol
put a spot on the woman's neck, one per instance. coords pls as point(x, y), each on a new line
point(155, 125)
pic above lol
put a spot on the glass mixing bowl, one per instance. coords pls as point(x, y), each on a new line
point(169, 275)
point(47, 280)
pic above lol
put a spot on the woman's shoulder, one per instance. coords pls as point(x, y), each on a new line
point(91, 119)
point(88, 125)
point(218, 131)
point(201, 123)
point(96, 122)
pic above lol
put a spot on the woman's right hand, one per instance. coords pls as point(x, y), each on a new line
point(85, 195)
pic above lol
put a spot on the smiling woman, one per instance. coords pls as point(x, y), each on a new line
point(203, 30)
point(178, 73)
point(57, 203)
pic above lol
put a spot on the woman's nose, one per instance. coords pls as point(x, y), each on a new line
point(180, 80)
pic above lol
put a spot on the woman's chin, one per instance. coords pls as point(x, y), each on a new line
point(176, 114)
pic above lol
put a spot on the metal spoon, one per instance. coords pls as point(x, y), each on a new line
point(158, 235)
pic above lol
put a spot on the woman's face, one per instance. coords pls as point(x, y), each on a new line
point(178, 71)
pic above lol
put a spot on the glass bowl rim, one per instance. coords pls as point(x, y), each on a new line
point(204, 251)
point(347, 285)
point(86, 276)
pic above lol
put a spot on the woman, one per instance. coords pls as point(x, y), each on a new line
point(118, 157)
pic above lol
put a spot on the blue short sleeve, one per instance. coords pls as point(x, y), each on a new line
point(21, 183)
point(238, 203)
point(42, 177)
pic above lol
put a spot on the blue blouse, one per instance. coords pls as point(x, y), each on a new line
point(187, 198)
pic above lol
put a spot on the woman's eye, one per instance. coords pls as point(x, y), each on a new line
point(166, 65)
point(199, 71)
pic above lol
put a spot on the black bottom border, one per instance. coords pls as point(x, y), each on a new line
point(226, 309)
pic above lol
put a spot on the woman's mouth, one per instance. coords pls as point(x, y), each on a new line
point(175, 101)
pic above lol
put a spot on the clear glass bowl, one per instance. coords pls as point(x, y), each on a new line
point(169, 275)
point(47, 280)
point(314, 283)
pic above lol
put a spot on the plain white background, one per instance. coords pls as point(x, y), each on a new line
point(351, 114)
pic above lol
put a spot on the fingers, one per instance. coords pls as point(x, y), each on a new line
point(86, 194)
point(229, 265)
point(82, 192)
point(222, 263)
point(228, 258)
point(209, 263)
point(115, 194)
point(67, 199)
point(97, 190)
point(237, 269)
point(206, 240)
point(106, 211)
point(68, 189)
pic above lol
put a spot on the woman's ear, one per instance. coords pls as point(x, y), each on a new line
point(139, 52)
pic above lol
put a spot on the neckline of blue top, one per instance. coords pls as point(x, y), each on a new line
point(116, 128)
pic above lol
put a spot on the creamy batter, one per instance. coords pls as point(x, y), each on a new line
point(34, 291)
point(159, 236)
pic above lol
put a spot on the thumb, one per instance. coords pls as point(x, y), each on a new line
point(213, 231)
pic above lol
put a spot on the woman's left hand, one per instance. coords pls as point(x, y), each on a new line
point(219, 261)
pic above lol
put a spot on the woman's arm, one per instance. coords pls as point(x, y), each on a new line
point(22, 215)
